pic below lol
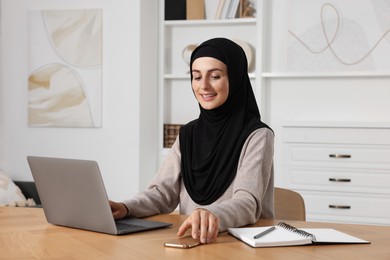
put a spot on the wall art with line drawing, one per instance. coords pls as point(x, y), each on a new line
point(65, 68)
point(338, 36)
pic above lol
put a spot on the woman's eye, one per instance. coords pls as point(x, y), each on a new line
point(215, 76)
point(196, 77)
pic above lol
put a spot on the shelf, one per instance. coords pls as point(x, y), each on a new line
point(363, 74)
point(337, 124)
point(187, 76)
point(222, 22)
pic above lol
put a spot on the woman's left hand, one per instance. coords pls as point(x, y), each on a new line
point(204, 225)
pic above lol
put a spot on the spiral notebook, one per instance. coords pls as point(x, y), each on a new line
point(284, 234)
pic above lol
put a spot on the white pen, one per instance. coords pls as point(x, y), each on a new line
point(264, 232)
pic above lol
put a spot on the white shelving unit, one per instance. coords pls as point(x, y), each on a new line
point(177, 104)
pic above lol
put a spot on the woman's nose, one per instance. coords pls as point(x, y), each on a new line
point(204, 85)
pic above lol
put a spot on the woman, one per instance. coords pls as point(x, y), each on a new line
point(220, 169)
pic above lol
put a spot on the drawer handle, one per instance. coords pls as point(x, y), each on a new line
point(343, 156)
point(339, 207)
point(339, 180)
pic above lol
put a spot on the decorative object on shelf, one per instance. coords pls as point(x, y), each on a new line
point(247, 9)
point(187, 51)
point(171, 131)
point(248, 52)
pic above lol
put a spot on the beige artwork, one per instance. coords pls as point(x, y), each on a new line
point(56, 98)
point(65, 58)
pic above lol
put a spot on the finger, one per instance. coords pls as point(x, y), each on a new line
point(195, 222)
point(184, 227)
point(213, 228)
point(112, 204)
point(116, 215)
point(204, 226)
point(118, 210)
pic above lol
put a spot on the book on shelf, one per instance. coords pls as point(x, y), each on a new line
point(284, 234)
point(225, 9)
point(233, 9)
point(171, 131)
point(210, 8)
point(195, 9)
point(175, 9)
point(219, 9)
point(228, 9)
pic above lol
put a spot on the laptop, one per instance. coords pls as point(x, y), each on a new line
point(72, 194)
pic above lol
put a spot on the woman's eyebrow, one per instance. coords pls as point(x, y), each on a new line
point(210, 70)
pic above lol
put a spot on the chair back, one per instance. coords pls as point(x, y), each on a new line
point(289, 205)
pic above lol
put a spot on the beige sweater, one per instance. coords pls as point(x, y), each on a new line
point(248, 198)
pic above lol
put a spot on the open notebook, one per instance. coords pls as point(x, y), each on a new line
point(286, 235)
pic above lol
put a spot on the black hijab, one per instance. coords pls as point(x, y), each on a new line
point(210, 146)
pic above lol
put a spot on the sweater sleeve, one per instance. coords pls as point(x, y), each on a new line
point(252, 189)
point(162, 194)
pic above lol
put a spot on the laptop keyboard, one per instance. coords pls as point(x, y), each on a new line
point(127, 228)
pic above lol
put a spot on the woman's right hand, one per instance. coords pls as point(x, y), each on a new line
point(118, 210)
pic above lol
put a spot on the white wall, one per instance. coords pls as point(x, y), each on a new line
point(1, 88)
point(148, 92)
point(129, 101)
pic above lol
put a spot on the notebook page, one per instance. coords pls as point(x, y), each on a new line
point(278, 237)
point(329, 235)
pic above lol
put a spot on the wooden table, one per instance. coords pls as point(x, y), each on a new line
point(25, 234)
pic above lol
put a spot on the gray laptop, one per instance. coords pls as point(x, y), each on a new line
point(73, 195)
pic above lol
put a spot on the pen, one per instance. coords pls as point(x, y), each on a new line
point(264, 232)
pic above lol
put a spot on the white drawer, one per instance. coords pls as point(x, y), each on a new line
point(348, 208)
point(337, 155)
point(355, 180)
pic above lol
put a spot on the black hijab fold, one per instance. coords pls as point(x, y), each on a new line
point(211, 145)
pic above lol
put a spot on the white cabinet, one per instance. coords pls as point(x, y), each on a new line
point(342, 170)
point(177, 104)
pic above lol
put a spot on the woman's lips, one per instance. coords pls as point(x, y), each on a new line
point(207, 97)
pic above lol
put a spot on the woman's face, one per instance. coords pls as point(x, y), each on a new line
point(210, 82)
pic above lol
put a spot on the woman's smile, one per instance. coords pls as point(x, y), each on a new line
point(208, 97)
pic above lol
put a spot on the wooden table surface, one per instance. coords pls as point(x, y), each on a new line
point(25, 234)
